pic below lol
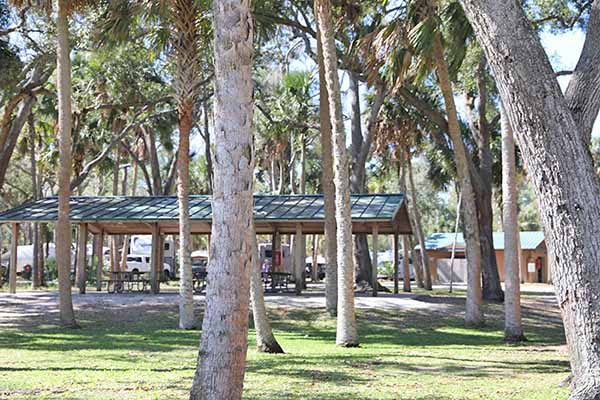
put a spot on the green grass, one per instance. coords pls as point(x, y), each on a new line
point(137, 353)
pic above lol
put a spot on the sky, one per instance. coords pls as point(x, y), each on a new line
point(563, 50)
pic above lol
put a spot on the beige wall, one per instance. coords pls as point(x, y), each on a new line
point(526, 255)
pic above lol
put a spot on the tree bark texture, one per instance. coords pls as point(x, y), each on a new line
point(474, 307)
point(186, 289)
point(346, 332)
point(583, 96)
point(513, 329)
point(561, 169)
point(265, 340)
point(331, 291)
point(63, 226)
point(222, 356)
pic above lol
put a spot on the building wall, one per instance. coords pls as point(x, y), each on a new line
point(441, 260)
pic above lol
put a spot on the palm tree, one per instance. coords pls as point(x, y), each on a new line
point(222, 355)
point(186, 82)
point(331, 288)
point(513, 329)
point(64, 8)
point(346, 333)
point(474, 306)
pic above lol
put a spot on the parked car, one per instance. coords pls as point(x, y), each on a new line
point(141, 263)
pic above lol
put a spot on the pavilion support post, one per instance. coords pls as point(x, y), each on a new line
point(298, 260)
point(154, 260)
point(396, 263)
point(375, 239)
point(406, 264)
point(14, 248)
point(100, 261)
point(80, 275)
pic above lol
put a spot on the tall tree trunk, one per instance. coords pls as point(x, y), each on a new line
point(114, 240)
point(513, 329)
point(364, 266)
point(35, 270)
point(417, 224)
point(474, 306)
point(63, 226)
point(331, 287)
point(185, 45)
point(207, 151)
point(265, 340)
point(346, 332)
point(222, 356)
point(562, 172)
point(186, 290)
point(411, 217)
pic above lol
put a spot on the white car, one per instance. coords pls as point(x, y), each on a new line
point(141, 263)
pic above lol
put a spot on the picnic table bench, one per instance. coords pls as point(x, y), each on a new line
point(276, 281)
point(121, 282)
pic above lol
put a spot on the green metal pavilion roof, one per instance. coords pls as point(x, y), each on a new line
point(365, 207)
point(442, 241)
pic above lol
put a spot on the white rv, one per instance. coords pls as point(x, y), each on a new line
point(141, 245)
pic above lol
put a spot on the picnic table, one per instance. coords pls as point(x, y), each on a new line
point(121, 282)
point(276, 281)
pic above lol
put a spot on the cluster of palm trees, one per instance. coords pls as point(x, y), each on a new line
point(416, 40)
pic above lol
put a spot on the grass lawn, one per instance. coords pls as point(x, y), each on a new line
point(136, 352)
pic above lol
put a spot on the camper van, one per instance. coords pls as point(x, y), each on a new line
point(25, 258)
point(141, 263)
point(141, 245)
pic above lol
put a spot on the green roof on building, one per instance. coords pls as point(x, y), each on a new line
point(530, 240)
point(365, 207)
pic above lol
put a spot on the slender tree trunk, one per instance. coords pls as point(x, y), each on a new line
point(415, 254)
point(331, 287)
point(474, 306)
point(186, 290)
point(265, 340)
point(346, 333)
point(63, 226)
point(363, 264)
point(405, 265)
point(562, 172)
point(114, 240)
point(513, 329)
point(207, 151)
point(222, 356)
point(187, 72)
point(417, 224)
point(35, 271)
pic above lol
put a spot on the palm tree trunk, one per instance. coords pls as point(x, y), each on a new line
point(513, 329)
point(63, 226)
point(186, 290)
point(331, 288)
point(35, 265)
point(474, 306)
point(222, 356)
point(346, 333)
point(265, 340)
point(417, 224)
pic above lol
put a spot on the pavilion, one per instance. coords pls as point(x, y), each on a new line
point(372, 214)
